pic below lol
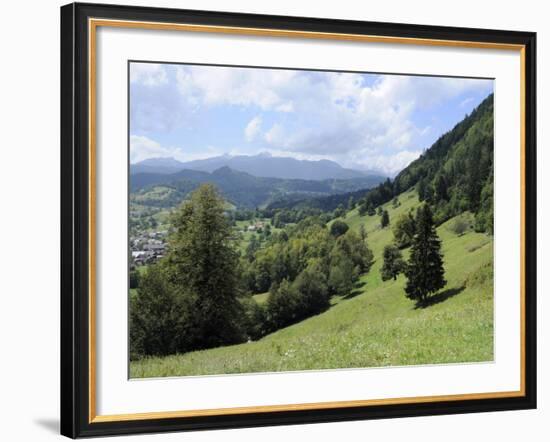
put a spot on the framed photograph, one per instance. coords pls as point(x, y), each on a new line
point(273, 220)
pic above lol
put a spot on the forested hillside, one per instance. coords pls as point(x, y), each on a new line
point(454, 175)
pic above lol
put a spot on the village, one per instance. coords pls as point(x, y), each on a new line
point(148, 247)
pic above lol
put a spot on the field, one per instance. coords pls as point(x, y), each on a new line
point(376, 325)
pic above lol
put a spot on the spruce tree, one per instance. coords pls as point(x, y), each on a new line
point(441, 188)
point(424, 271)
point(203, 265)
point(421, 187)
point(363, 232)
point(385, 221)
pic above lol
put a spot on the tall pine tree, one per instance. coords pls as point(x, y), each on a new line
point(202, 264)
point(424, 271)
point(385, 220)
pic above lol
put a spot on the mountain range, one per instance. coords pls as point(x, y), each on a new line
point(260, 165)
point(240, 188)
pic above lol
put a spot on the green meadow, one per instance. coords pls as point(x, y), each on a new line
point(375, 325)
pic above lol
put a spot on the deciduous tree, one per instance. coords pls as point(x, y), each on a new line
point(393, 263)
point(338, 228)
point(403, 230)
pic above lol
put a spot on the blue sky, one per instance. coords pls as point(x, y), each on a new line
point(362, 121)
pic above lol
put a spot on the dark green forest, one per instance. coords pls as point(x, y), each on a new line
point(453, 175)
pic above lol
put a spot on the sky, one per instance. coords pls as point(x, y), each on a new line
point(362, 121)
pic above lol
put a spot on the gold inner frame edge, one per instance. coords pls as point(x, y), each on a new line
point(93, 24)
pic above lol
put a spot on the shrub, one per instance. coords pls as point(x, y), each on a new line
point(156, 317)
point(312, 288)
point(460, 225)
point(134, 279)
point(338, 228)
point(255, 319)
point(282, 305)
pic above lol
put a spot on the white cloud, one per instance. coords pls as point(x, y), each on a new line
point(276, 135)
point(466, 101)
point(351, 118)
point(211, 85)
point(390, 164)
point(253, 128)
point(142, 147)
point(148, 74)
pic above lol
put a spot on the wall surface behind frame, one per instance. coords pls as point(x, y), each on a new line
point(29, 221)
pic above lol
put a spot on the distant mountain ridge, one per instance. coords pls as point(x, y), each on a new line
point(262, 165)
point(157, 165)
point(240, 188)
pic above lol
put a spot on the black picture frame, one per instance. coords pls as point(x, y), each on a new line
point(75, 220)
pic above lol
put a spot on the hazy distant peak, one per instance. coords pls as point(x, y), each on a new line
point(264, 164)
point(161, 160)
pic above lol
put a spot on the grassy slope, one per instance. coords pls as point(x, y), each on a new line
point(377, 325)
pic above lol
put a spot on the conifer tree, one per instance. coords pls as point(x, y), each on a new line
point(441, 188)
point(363, 232)
point(203, 265)
point(385, 221)
point(424, 271)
